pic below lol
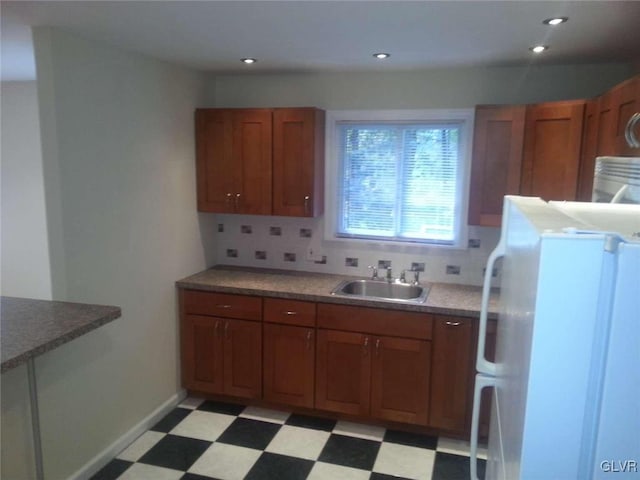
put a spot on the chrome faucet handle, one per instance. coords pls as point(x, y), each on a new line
point(389, 274)
point(416, 276)
point(374, 273)
point(403, 277)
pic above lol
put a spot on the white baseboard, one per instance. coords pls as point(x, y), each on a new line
point(104, 457)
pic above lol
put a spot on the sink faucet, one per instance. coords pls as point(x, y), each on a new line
point(374, 272)
point(389, 275)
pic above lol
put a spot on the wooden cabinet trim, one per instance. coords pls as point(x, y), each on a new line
point(223, 305)
point(375, 321)
point(290, 312)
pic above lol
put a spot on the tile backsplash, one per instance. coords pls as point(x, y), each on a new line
point(299, 244)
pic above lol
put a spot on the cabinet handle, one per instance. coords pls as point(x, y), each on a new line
point(237, 200)
point(216, 329)
point(226, 330)
point(229, 198)
point(309, 340)
point(306, 204)
point(290, 312)
point(365, 346)
point(453, 324)
point(223, 305)
point(377, 347)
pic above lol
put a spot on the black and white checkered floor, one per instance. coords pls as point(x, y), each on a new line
point(204, 440)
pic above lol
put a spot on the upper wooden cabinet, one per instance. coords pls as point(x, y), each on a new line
point(260, 161)
point(233, 160)
point(551, 158)
point(623, 101)
point(497, 159)
point(298, 162)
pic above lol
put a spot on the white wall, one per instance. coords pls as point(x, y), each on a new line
point(25, 251)
point(119, 176)
point(436, 88)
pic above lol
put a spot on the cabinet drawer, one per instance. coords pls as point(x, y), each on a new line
point(290, 312)
point(222, 305)
point(376, 321)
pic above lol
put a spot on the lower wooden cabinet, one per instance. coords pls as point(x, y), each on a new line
point(343, 372)
point(400, 379)
point(404, 367)
point(451, 371)
point(369, 374)
point(222, 356)
point(289, 364)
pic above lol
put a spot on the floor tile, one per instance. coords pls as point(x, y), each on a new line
point(226, 462)
point(173, 418)
point(203, 425)
point(140, 471)
point(175, 452)
point(411, 439)
point(193, 476)
point(141, 446)
point(265, 415)
point(281, 467)
point(191, 403)
point(382, 476)
point(459, 447)
point(112, 470)
point(328, 471)
point(249, 433)
point(298, 442)
point(308, 421)
point(453, 467)
point(359, 430)
point(402, 460)
point(350, 452)
point(221, 407)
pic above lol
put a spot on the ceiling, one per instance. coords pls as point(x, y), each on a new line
point(313, 36)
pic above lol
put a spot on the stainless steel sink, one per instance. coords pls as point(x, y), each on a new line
point(378, 289)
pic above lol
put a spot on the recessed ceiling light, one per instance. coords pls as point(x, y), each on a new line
point(555, 20)
point(381, 55)
point(539, 48)
point(248, 61)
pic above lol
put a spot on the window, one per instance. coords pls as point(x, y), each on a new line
point(400, 179)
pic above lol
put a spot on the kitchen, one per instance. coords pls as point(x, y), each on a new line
point(119, 176)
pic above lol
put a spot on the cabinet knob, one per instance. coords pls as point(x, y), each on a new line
point(226, 330)
point(377, 347)
point(365, 346)
point(290, 312)
point(220, 305)
point(453, 324)
point(216, 328)
point(306, 204)
point(237, 200)
point(309, 334)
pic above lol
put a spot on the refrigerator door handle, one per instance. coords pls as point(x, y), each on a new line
point(482, 364)
point(482, 382)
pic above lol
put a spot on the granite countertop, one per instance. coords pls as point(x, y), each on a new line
point(32, 327)
point(447, 299)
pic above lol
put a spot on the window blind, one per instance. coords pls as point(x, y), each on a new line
point(399, 180)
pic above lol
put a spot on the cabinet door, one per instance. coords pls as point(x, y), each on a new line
point(553, 135)
point(214, 160)
point(289, 364)
point(589, 149)
point(242, 358)
point(252, 161)
point(343, 371)
point(451, 394)
point(626, 103)
point(298, 162)
point(497, 158)
point(202, 353)
point(400, 379)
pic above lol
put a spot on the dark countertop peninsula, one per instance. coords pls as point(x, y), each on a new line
point(31, 327)
point(443, 298)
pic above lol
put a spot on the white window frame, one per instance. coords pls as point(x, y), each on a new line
point(332, 174)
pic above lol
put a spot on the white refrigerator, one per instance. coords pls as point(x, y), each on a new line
point(566, 377)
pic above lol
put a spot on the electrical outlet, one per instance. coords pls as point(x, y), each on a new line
point(313, 254)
